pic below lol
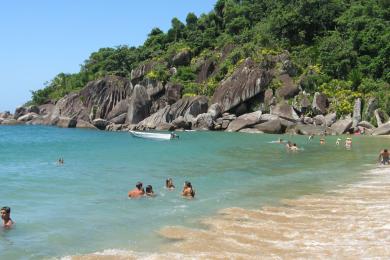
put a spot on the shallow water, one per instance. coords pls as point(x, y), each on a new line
point(82, 206)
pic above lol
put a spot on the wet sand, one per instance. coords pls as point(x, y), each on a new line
point(348, 223)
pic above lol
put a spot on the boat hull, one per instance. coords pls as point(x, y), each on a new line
point(156, 136)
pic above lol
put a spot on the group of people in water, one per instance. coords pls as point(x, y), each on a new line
point(139, 190)
point(293, 146)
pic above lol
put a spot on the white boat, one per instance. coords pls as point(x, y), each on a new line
point(149, 135)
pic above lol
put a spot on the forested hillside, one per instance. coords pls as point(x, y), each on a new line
point(338, 47)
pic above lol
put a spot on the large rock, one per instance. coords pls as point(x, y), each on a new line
point(268, 98)
point(84, 124)
point(70, 106)
point(384, 129)
point(165, 127)
point(100, 123)
point(10, 121)
point(330, 119)
point(215, 110)
point(246, 82)
point(27, 117)
point(320, 103)
point(270, 127)
point(357, 116)
point(103, 95)
point(181, 123)
point(20, 111)
point(120, 108)
point(205, 70)
point(250, 131)
point(319, 120)
point(66, 122)
point(121, 119)
point(365, 124)
point(140, 72)
point(313, 130)
point(380, 117)
point(288, 89)
point(173, 92)
point(5, 115)
point(372, 104)
point(203, 122)
point(155, 119)
point(342, 125)
point(183, 58)
point(46, 109)
point(244, 121)
point(139, 105)
point(285, 111)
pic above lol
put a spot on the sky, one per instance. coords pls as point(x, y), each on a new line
point(41, 38)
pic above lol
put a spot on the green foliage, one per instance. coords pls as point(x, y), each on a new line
point(339, 46)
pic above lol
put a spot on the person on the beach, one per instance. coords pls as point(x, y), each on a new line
point(6, 217)
point(169, 184)
point(149, 191)
point(188, 191)
point(384, 157)
point(348, 143)
point(137, 192)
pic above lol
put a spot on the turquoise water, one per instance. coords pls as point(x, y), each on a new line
point(82, 206)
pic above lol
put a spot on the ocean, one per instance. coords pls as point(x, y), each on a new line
point(253, 198)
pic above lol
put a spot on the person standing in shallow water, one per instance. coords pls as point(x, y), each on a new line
point(188, 191)
point(169, 184)
point(6, 217)
point(384, 157)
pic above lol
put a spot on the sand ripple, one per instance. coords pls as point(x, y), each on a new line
point(352, 222)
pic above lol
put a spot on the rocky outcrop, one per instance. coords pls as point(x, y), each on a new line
point(173, 92)
point(379, 116)
point(268, 98)
point(372, 104)
point(215, 110)
point(27, 117)
point(384, 129)
point(357, 116)
point(155, 119)
point(244, 121)
point(189, 107)
point(84, 124)
point(313, 130)
point(246, 82)
point(65, 122)
point(251, 131)
point(100, 123)
point(70, 106)
point(121, 119)
point(205, 70)
point(319, 120)
point(365, 124)
point(320, 103)
point(20, 111)
point(342, 125)
point(182, 58)
point(141, 71)
point(139, 105)
point(285, 111)
point(120, 108)
point(203, 122)
point(330, 119)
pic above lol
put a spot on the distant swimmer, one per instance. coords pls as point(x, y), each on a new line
point(322, 141)
point(61, 161)
point(294, 147)
point(310, 137)
point(348, 143)
point(137, 192)
point(173, 136)
point(188, 191)
point(149, 191)
point(6, 217)
point(289, 145)
point(338, 141)
point(169, 184)
point(384, 157)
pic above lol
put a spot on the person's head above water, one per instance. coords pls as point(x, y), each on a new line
point(139, 185)
point(5, 213)
point(149, 189)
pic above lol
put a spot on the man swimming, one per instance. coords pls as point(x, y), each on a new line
point(137, 192)
point(384, 157)
point(149, 191)
point(6, 217)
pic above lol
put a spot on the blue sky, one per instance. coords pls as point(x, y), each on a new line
point(41, 38)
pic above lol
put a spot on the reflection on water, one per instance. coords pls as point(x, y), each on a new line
point(348, 223)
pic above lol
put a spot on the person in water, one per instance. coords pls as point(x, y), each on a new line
point(338, 141)
point(384, 157)
point(169, 184)
point(294, 147)
point(137, 192)
point(188, 191)
point(6, 217)
point(322, 141)
point(61, 161)
point(288, 145)
point(348, 143)
point(149, 191)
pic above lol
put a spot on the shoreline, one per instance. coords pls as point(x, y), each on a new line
point(334, 224)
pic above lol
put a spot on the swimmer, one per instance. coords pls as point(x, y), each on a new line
point(294, 147)
point(384, 157)
point(137, 192)
point(288, 145)
point(149, 191)
point(348, 143)
point(310, 137)
point(173, 136)
point(169, 184)
point(61, 161)
point(6, 217)
point(322, 141)
point(338, 141)
point(188, 191)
